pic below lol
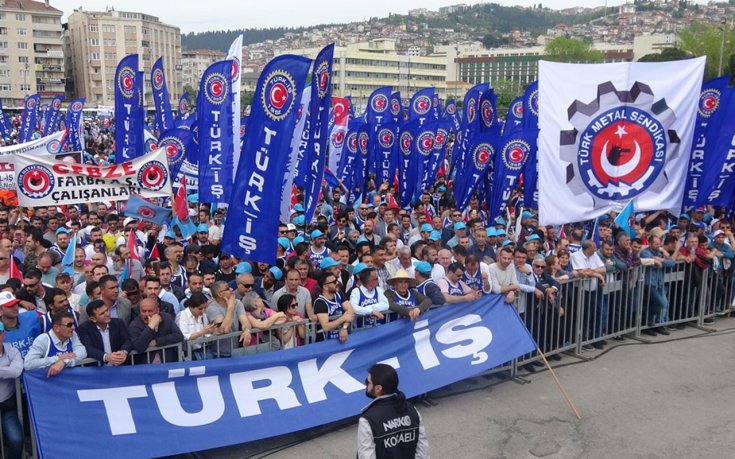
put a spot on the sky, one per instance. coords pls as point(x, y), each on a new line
point(200, 16)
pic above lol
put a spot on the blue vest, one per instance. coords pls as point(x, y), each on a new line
point(317, 258)
point(455, 290)
point(47, 326)
point(52, 350)
point(334, 308)
point(408, 302)
point(422, 286)
point(474, 281)
point(371, 320)
point(22, 337)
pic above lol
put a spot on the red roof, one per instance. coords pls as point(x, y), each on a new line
point(31, 6)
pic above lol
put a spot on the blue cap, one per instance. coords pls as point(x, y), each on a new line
point(501, 232)
point(328, 262)
point(460, 226)
point(298, 208)
point(358, 268)
point(361, 239)
point(298, 239)
point(685, 216)
point(170, 234)
point(435, 235)
point(382, 203)
point(277, 273)
point(299, 221)
point(283, 242)
point(316, 233)
point(441, 189)
point(424, 267)
point(202, 228)
point(193, 198)
point(533, 237)
point(426, 228)
point(500, 221)
point(508, 242)
point(526, 214)
point(62, 229)
point(243, 267)
point(371, 206)
point(491, 232)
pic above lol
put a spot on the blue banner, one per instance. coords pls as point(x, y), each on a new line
point(715, 95)
point(421, 107)
point(4, 123)
point(488, 114)
point(514, 118)
point(363, 156)
point(377, 110)
point(177, 143)
point(386, 147)
point(129, 141)
point(530, 170)
point(321, 101)
point(164, 119)
point(347, 163)
point(74, 125)
point(300, 140)
point(481, 152)
point(425, 149)
point(214, 112)
point(451, 113)
point(408, 162)
point(438, 153)
point(396, 108)
point(469, 127)
point(259, 179)
point(140, 208)
point(183, 109)
point(530, 106)
point(52, 119)
point(168, 409)
point(29, 119)
point(513, 155)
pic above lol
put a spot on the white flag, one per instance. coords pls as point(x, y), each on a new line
point(235, 54)
point(612, 133)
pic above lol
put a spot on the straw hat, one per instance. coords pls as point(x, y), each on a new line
point(401, 274)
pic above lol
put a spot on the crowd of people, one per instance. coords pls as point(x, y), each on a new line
point(353, 266)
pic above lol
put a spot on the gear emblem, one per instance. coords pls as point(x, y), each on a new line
point(620, 144)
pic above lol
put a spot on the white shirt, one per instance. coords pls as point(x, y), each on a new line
point(581, 261)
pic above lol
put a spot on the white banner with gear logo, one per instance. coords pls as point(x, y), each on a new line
point(612, 133)
point(42, 181)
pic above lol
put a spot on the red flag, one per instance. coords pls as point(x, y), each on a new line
point(133, 245)
point(154, 253)
point(181, 208)
point(14, 272)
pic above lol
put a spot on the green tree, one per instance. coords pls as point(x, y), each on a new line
point(506, 91)
point(668, 54)
point(563, 49)
point(246, 98)
point(705, 40)
point(192, 94)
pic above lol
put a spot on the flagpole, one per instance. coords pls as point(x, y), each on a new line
point(558, 383)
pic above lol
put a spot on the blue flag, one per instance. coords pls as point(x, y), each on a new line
point(137, 207)
point(299, 142)
point(396, 108)
point(363, 156)
point(421, 106)
point(481, 152)
point(214, 112)
point(425, 149)
point(164, 119)
point(183, 108)
point(377, 111)
point(177, 142)
point(514, 119)
point(514, 151)
point(4, 123)
point(67, 263)
point(488, 114)
point(259, 178)
point(468, 128)
point(386, 145)
point(129, 115)
point(530, 170)
point(623, 218)
point(452, 114)
point(408, 162)
point(348, 162)
point(29, 119)
point(530, 106)
point(321, 101)
point(713, 99)
point(443, 127)
point(74, 125)
point(52, 118)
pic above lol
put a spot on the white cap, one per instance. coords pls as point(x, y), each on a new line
point(129, 220)
point(717, 233)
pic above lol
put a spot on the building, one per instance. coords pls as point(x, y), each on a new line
point(31, 54)
point(194, 63)
point(361, 68)
point(652, 44)
point(100, 39)
point(520, 65)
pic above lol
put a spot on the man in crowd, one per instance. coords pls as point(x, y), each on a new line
point(58, 349)
point(154, 329)
point(105, 338)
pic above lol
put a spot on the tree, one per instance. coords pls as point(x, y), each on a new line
point(563, 49)
point(506, 91)
point(192, 94)
point(490, 41)
point(246, 98)
point(705, 40)
point(668, 54)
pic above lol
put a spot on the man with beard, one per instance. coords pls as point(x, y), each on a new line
point(389, 426)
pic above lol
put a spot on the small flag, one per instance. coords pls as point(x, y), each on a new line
point(154, 253)
point(14, 271)
point(133, 245)
point(180, 207)
point(67, 263)
point(137, 207)
point(623, 219)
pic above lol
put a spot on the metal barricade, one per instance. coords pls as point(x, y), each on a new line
point(719, 295)
point(158, 354)
point(612, 311)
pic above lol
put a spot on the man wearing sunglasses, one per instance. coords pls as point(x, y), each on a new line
point(57, 349)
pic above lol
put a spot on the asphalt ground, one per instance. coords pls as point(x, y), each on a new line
point(653, 397)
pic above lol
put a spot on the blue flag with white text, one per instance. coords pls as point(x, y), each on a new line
point(177, 142)
point(29, 119)
point(512, 156)
point(52, 118)
point(258, 184)
point(514, 118)
point(4, 123)
point(164, 118)
point(74, 125)
point(421, 106)
point(530, 106)
point(408, 162)
point(129, 116)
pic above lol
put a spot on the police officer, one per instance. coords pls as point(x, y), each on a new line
point(390, 426)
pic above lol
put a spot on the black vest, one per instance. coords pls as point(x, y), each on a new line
point(395, 434)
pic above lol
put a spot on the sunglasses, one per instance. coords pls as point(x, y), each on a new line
point(31, 285)
point(539, 266)
point(292, 306)
point(68, 325)
point(247, 285)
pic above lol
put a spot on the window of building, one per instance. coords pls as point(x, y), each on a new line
point(109, 42)
point(129, 29)
point(3, 30)
point(3, 59)
point(94, 56)
point(4, 87)
point(23, 59)
point(94, 42)
point(20, 17)
point(24, 73)
point(21, 31)
point(3, 44)
point(108, 28)
point(110, 56)
point(25, 87)
point(4, 73)
point(92, 27)
point(22, 45)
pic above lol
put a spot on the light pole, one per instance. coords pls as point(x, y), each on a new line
point(722, 46)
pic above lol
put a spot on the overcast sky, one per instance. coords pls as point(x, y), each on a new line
point(199, 16)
